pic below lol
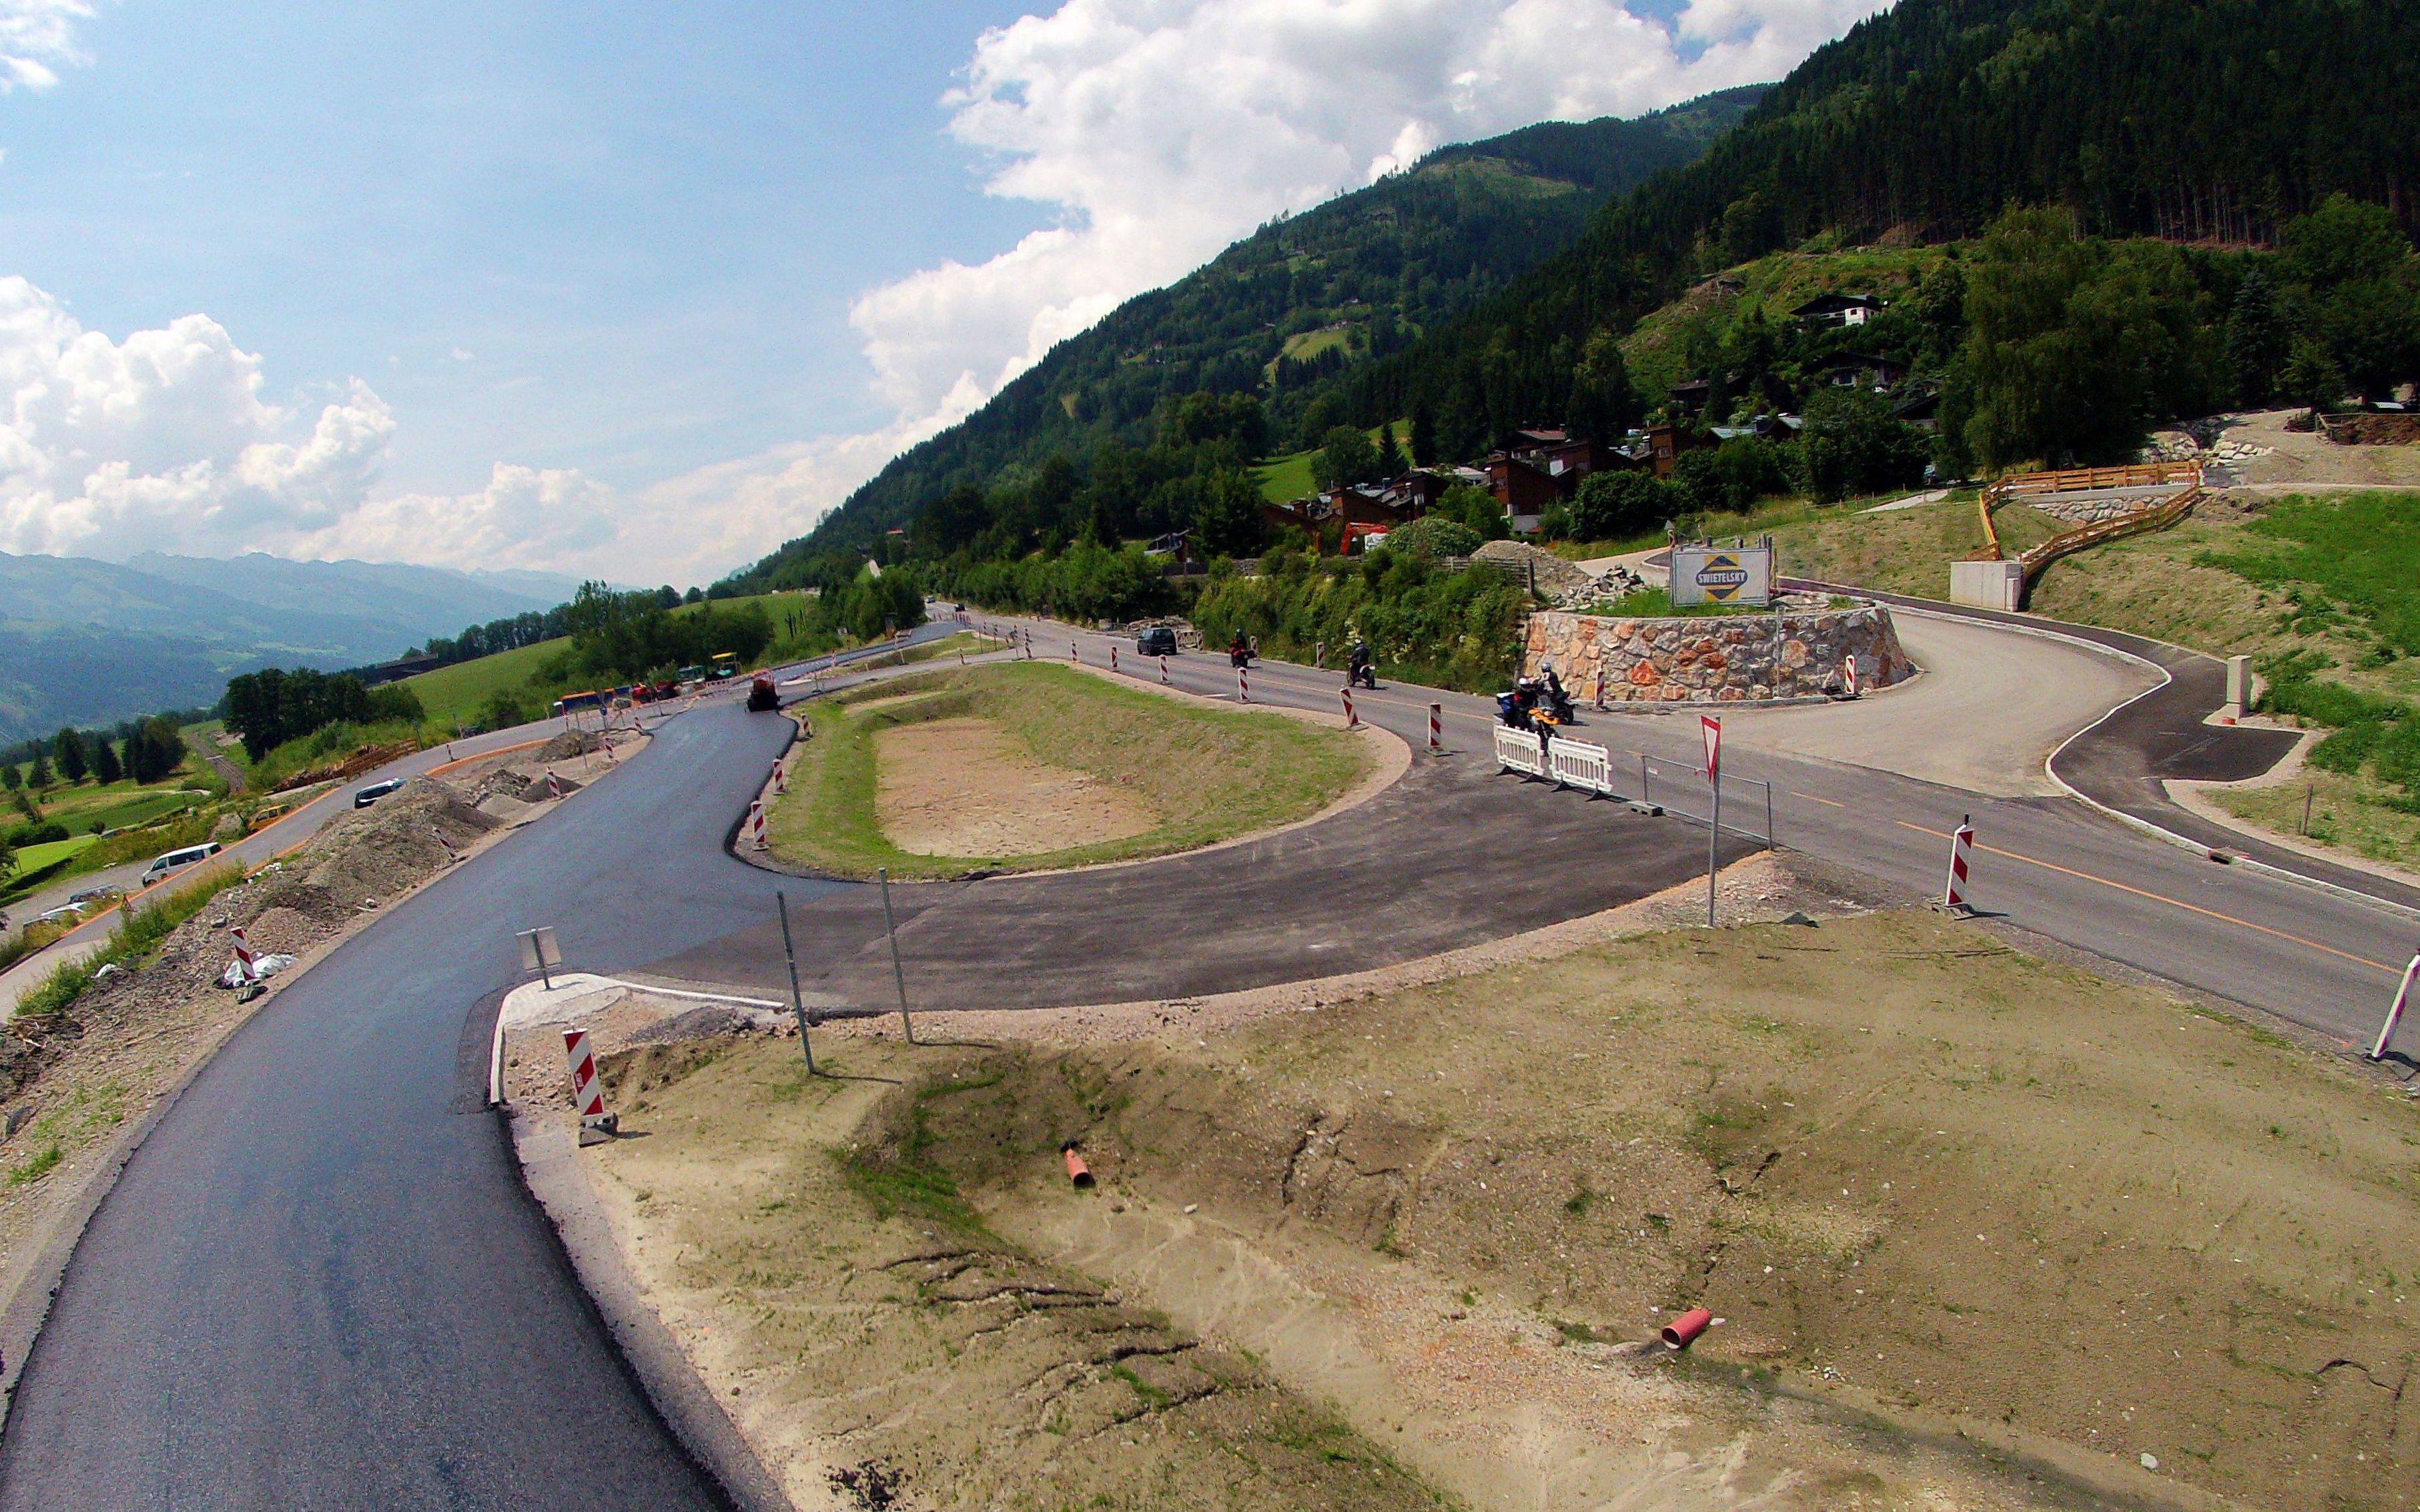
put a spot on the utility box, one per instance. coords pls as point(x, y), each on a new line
point(2239, 687)
point(1988, 584)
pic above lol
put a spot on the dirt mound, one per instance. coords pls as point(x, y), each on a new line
point(969, 787)
point(1531, 567)
point(571, 743)
point(285, 931)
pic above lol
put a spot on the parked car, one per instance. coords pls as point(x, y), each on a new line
point(165, 866)
point(95, 894)
point(375, 791)
point(64, 913)
point(1156, 640)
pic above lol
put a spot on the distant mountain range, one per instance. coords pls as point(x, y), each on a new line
point(88, 643)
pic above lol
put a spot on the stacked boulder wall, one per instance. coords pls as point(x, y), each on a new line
point(1720, 659)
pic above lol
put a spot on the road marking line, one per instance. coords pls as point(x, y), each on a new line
point(2172, 903)
point(1812, 798)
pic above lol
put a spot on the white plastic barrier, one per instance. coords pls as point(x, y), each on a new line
point(1517, 750)
point(1578, 764)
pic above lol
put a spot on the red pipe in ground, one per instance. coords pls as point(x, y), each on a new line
point(1078, 1172)
point(1677, 1333)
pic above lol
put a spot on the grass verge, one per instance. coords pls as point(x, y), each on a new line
point(1209, 775)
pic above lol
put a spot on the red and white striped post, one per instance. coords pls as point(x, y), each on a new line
point(1071, 657)
point(1113, 660)
point(781, 779)
point(1163, 670)
point(2394, 1014)
point(1243, 685)
point(1352, 720)
point(1600, 689)
point(587, 1091)
point(553, 786)
point(243, 957)
point(756, 823)
point(1953, 895)
point(1849, 674)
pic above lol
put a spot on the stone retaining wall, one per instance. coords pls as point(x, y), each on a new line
point(1716, 659)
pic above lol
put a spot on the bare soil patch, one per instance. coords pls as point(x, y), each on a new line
point(1984, 1231)
point(967, 787)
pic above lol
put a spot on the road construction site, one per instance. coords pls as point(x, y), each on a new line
point(469, 1329)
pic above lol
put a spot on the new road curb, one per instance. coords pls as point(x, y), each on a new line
point(548, 1161)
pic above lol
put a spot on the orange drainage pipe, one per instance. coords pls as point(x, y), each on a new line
point(1078, 1174)
point(1677, 1333)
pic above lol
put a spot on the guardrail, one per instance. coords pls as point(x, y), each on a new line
point(2081, 479)
point(1590, 768)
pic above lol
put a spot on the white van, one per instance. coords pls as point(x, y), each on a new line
point(175, 861)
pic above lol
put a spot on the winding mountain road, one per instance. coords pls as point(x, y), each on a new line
point(320, 1284)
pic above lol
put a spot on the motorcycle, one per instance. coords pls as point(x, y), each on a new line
point(1239, 656)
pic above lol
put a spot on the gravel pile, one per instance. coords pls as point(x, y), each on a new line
point(571, 743)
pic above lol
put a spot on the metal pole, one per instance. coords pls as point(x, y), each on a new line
point(1714, 838)
point(797, 1004)
point(898, 974)
point(1768, 816)
point(1643, 801)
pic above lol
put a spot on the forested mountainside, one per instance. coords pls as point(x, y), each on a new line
point(2083, 215)
point(2207, 120)
point(1301, 300)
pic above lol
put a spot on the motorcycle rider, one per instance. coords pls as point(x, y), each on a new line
point(1356, 665)
point(1238, 652)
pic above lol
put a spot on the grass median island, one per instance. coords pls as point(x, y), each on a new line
point(1030, 766)
point(1939, 1192)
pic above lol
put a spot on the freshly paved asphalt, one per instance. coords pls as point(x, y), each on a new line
point(319, 1284)
point(2050, 865)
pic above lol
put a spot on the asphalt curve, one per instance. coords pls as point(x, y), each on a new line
point(2124, 760)
point(319, 1283)
point(1451, 855)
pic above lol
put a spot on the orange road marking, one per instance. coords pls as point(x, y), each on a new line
point(2172, 903)
point(1812, 798)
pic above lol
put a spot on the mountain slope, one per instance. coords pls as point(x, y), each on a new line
point(1300, 298)
point(2182, 118)
point(85, 642)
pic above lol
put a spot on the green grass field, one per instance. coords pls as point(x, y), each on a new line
point(457, 695)
point(1289, 476)
point(35, 857)
point(1208, 774)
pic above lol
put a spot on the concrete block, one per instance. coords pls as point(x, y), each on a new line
point(1988, 584)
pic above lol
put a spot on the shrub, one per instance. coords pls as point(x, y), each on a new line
point(1432, 535)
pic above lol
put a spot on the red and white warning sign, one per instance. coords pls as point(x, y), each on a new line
point(1712, 728)
point(587, 1092)
point(1849, 674)
point(756, 823)
point(1961, 845)
point(553, 786)
point(243, 957)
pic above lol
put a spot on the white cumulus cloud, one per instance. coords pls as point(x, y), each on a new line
point(37, 39)
point(1159, 130)
point(162, 440)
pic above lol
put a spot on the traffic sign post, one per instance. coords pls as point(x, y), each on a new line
point(2394, 1014)
point(790, 958)
point(540, 954)
point(1712, 728)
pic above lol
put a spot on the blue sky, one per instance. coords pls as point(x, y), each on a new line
point(638, 219)
point(644, 290)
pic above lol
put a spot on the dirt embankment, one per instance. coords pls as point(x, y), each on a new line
point(1982, 1231)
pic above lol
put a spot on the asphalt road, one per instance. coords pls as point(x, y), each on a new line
point(319, 1284)
point(2049, 865)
